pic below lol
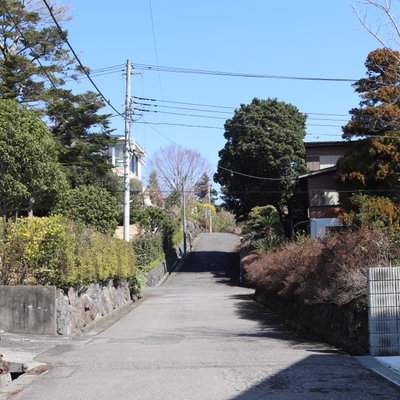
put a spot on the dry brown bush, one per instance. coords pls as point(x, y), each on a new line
point(332, 270)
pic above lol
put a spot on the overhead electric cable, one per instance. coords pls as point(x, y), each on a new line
point(78, 60)
point(182, 108)
point(155, 46)
point(183, 125)
point(180, 114)
point(150, 67)
point(219, 106)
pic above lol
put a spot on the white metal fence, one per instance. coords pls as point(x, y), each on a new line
point(384, 311)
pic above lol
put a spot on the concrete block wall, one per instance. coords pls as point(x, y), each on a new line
point(47, 310)
point(28, 309)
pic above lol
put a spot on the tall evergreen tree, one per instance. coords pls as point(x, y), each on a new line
point(154, 190)
point(83, 136)
point(262, 157)
point(372, 165)
point(31, 50)
point(379, 109)
point(201, 190)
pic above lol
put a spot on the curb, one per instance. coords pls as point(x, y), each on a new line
point(379, 369)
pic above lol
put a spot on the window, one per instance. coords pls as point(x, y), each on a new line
point(328, 161)
point(321, 197)
point(134, 164)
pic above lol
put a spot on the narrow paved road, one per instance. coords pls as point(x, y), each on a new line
point(200, 337)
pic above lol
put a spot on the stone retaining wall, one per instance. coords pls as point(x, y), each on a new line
point(77, 308)
point(155, 276)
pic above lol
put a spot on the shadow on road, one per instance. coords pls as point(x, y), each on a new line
point(326, 373)
point(223, 265)
point(320, 377)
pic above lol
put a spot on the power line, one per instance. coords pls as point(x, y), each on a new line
point(217, 106)
point(175, 124)
point(225, 112)
point(182, 102)
point(150, 67)
point(180, 114)
point(155, 46)
point(182, 108)
point(218, 166)
point(78, 60)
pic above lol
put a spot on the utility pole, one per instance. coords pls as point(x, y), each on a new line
point(127, 198)
point(209, 209)
point(184, 217)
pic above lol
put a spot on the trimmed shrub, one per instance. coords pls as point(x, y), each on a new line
point(148, 248)
point(90, 205)
point(151, 249)
point(55, 251)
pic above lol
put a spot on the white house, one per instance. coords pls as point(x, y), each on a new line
point(136, 155)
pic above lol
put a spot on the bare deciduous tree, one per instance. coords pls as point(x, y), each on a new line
point(385, 13)
point(175, 166)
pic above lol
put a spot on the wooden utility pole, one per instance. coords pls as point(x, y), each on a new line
point(127, 157)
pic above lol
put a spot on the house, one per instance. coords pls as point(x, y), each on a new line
point(317, 199)
point(136, 154)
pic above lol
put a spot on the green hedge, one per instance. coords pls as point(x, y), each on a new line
point(54, 251)
point(150, 249)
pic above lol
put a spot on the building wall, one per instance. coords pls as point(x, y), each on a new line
point(320, 226)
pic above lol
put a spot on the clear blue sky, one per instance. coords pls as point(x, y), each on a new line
point(310, 38)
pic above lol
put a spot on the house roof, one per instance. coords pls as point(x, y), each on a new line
point(318, 172)
point(329, 143)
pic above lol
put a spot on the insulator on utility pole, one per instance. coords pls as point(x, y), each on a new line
point(126, 152)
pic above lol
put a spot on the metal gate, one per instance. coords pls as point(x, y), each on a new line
point(384, 311)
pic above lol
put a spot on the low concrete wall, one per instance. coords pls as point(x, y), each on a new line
point(155, 276)
point(47, 310)
point(28, 309)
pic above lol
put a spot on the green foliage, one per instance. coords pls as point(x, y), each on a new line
point(136, 207)
point(173, 200)
point(153, 219)
point(30, 175)
point(90, 205)
point(177, 237)
point(54, 251)
point(374, 211)
point(224, 221)
point(83, 137)
point(148, 248)
point(267, 243)
point(202, 189)
point(263, 221)
point(373, 166)
point(27, 59)
point(264, 138)
point(154, 190)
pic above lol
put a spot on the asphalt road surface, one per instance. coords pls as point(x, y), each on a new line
point(200, 337)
